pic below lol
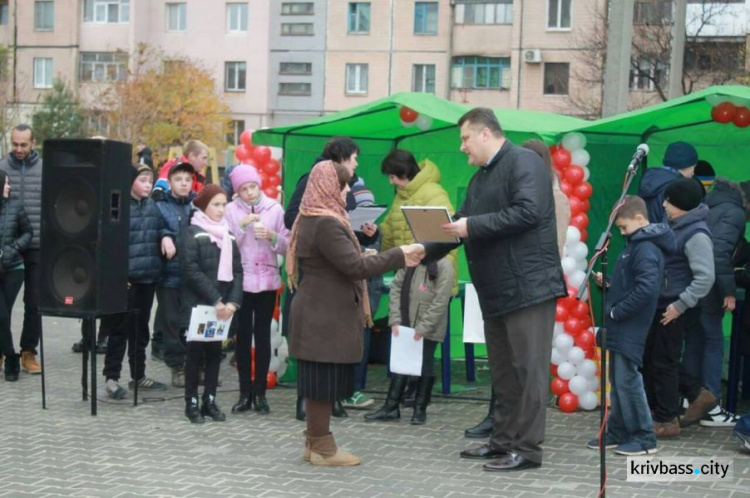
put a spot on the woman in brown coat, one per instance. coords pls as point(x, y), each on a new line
point(330, 306)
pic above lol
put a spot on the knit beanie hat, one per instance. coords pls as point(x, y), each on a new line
point(210, 191)
point(685, 194)
point(140, 169)
point(243, 174)
point(705, 173)
point(363, 196)
point(182, 167)
point(680, 155)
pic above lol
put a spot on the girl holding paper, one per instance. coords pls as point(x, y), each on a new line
point(212, 276)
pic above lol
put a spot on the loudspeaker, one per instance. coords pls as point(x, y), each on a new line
point(85, 227)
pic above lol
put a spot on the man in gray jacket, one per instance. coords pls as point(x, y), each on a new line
point(24, 168)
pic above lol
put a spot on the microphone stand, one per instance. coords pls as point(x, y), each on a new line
point(602, 248)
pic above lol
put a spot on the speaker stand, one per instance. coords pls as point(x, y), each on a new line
point(90, 341)
point(44, 369)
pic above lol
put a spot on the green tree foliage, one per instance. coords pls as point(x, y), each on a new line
point(60, 115)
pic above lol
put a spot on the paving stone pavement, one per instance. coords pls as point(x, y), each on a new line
point(152, 450)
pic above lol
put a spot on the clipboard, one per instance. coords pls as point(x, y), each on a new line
point(425, 222)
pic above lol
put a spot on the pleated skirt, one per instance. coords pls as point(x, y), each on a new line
point(325, 381)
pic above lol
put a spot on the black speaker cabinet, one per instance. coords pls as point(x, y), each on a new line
point(85, 227)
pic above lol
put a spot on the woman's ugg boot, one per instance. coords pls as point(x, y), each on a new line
point(323, 451)
point(308, 444)
point(390, 410)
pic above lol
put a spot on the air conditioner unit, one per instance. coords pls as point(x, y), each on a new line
point(532, 56)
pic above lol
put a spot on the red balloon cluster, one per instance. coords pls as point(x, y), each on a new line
point(726, 112)
point(259, 157)
point(574, 186)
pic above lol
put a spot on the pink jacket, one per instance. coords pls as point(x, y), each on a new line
point(259, 262)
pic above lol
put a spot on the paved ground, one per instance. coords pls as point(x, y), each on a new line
point(152, 450)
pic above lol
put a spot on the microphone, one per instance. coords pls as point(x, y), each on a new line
point(640, 153)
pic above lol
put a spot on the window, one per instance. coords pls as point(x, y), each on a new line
point(423, 78)
point(234, 76)
point(103, 66)
point(236, 127)
point(44, 16)
point(644, 75)
point(236, 18)
point(356, 78)
point(297, 8)
point(359, 17)
point(304, 68)
point(558, 14)
point(425, 18)
point(481, 72)
point(297, 29)
point(3, 12)
point(98, 123)
point(715, 56)
point(556, 78)
point(43, 73)
point(176, 16)
point(654, 13)
point(295, 89)
point(497, 12)
point(106, 11)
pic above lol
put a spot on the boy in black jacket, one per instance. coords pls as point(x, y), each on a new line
point(630, 306)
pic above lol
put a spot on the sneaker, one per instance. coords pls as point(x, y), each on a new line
point(115, 390)
point(719, 417)
point(358, 400)
point(634, 448)
point(609, 442)
point(743, 439)
point(148, 385)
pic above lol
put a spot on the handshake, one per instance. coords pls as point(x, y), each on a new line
point(413, 254)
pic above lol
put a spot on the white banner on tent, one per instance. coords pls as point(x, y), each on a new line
point(473, 322)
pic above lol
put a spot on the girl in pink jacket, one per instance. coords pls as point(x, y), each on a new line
point(258, 226)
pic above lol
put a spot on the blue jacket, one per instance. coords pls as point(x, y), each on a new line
point(634, 288)
point(176, 217)
point(653, 184)
point(146, 228)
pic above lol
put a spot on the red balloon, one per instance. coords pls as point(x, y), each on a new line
point(574, 174)
point(559, 386)
point(263, 179)
point(724, 112)
point(586, 206)
point(271, 380)
point(250, 162)
point(272, 167)
point(571, 300)
point(261, 154)
point(583, 190)
point(590, 352)
point(576, 205)
point(271, 192)
point(274, 181)
point(580, 310)
point(585, 340)
point(553, 369)
point(561, 158)
point(242, 153)
point(568, 402)
point(584, 235)
point(573, 326)
point(553, 148)
point(586, 322)
point(246, 138)
point(561, 313)
point(566, 188)
point(580, 221)
point(742, 117)
point(408, 115)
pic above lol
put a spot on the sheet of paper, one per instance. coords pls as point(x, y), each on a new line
point(364, 215)
point(205, 327)
point(473, 322)
point(406, 353)
point(425, 223)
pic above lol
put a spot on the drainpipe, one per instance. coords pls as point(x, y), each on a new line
point(390, 49)
point(520, 57)
point(450, 49)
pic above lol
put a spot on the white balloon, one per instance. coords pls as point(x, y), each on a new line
point(283, 351)
point(578, 385)
point(579, 251)
point(585, 296)
point(274, 327)
point(566, 371)
point(582, 265)
point(586, 173)
point(407, 125)
point(281, 369)
point(274, 364)
point(556, 359)
point(559, 329)
point(576, 355)
point(580, 157)
point(577, 279)
point(569, 265)
point(574, 141)
point(594, 383)
point(277, 153)
point(714, 100)
point(563, 344)
point(573, 236)
point(588, 400)
point(738, 101)
point(276, 340)
point(424, 122)
point(587, 369)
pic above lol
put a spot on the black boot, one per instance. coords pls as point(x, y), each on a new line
point(424, 393)
point(338, 410)
point(484, 428)
point(192, 412)
point(261, 405)
point(12, 367)
point(209, 409)
point(301, 409)
point(390, 411)
point(411, 392)
point(244, 404)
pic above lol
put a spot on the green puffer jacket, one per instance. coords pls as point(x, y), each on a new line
point(423, 190)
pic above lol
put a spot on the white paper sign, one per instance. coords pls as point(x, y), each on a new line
point(205, 327)
point(406, 353)
point(473, 321)
point(365, 215)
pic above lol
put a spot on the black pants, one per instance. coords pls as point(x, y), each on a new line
point(661, 365)
point(255, 317)
point(123, 333)
point(202, 353)
point(519, 346)
point(10, 285)
point(32, 320)
point(167, 322)
point(428, 358)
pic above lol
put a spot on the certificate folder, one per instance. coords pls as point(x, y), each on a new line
point(425, 223)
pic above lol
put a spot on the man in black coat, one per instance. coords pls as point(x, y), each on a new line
point(507, 225)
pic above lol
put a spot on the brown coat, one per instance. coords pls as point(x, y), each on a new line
point(326, 321)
